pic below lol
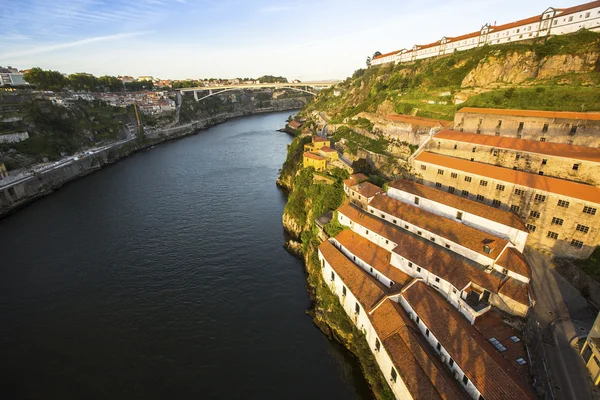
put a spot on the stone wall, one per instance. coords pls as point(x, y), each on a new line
point(587, 286)
point(14, 137)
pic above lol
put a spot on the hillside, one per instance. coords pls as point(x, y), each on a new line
point(556, 73)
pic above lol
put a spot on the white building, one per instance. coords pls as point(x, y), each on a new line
point(553, 21)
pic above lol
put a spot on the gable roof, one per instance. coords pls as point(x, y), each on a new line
point(367, 189)
point(530, 146)
point(513, 260)
point(539, 182)
point(313, 156)
point(584, 116)
point(493, 376)
point(469, 206)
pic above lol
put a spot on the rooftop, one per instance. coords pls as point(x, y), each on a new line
point(367, 189)
point(540, 182)
point(468, 206)
point(513, 260)
point(584, 116)
point(295, 124)
point(516, 290)
point(530, 146)
point(369, 290)
point(451, 267)
point(313, 156)
point(354, 179)
point(327, 149)
point(493, 376)
point(316, 139)
point(375, 256)
point(457, 232)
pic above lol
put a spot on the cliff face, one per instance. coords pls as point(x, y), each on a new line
point(520, 67)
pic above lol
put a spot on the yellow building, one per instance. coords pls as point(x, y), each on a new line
point(317, 144)
point(314, 160)
point(329, 153)
point(591, 352)
point(3, 171)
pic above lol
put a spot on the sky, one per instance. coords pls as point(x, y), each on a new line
point(183, 39)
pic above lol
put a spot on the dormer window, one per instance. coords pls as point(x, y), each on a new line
point(487, 249)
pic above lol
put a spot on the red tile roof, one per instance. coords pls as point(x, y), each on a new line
point(516, 24)
point(375, 256)
point(313, 156)
point(530, 146)
point(409, 119)
point(581, 7)
point(584, 116)
point(465, 36)
point(354, 179)
point(367, 289)
point(295, 124)
point(461, 234)
point(539, 182)
point(316, 139)
point(516, 290)
point(469, 206)
point(366, 189)
point(387, 54)
point(327, 149)
point(513, 260)
point(493, 376)
point(451, 267)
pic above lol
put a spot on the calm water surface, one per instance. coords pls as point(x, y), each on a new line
point(164, 276)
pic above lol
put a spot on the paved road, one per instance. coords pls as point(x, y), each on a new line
point(563, 315)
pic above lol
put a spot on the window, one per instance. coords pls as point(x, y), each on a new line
point(542, 139)
point(552, 235)
point(563, 203)
point(437, 280)
point(344, 291)
point(583, 228)
point(495, 152)
point(377, 345)
point(575, 167)
point(451, 362)
point(520, 360)
point(500, 188)
point(515, 339)
point(418, 269)
point(405, 226)
point(521, 125)
point(465, 193)
point(419, 233)
point(589, 210)
point(557, 221)
point(474, 149)
point(573, 130)
point(545, 128)
point(454, 175)
point(459, 215)
point(391, 283)
point(394, 374)
point(499, 124)
point(451, 189)
point(427, 332)
point(487, 249)
point(417, 319)
point(531, 228)
point(480, 198)
point(439, 346)
point(438, 185)
point(394, 221)
point(467, 179)
point(423, 167)
point(357, 308)
point(447, 246)
point(440, 172)
point(570, 19)
point(576, 243)
point(332, 276)
point(514, 208)
point(417, 200)
point(465, 380)
point(534, 214)
point(409, 264)
point(587, 14)
point(483, 183)
point(540, 198)
point(496, 203)
point(544, 161)
point(499, 346)
point(518, 156)
point(455, 146)
point(432, 239)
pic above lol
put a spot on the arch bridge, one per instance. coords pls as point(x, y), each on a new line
point(304, 87)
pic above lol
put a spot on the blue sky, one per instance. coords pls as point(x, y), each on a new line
point(308, 40)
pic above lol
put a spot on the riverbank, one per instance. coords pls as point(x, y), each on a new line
point(21, 194)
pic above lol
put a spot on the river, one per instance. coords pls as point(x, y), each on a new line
point(164, 276)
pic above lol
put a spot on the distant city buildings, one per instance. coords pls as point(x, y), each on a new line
point(10, 76)
point(553, 21)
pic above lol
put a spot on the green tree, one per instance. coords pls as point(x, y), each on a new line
point(376, 54)
point(368, 62)
point(46, 80)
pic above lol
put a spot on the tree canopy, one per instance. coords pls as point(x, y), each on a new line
point(81, 82)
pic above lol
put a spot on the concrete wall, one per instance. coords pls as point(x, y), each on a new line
point(573, 215)
point(555, 166)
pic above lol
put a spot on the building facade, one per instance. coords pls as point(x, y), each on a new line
point(591, 352)
point(553, 21)
point(578, 128)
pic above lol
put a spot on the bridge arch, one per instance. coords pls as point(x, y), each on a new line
point(241, 88)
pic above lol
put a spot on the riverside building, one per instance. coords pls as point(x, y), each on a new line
point(553, 21)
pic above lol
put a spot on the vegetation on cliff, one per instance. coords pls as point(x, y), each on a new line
point(307, 201)
point(547, 73)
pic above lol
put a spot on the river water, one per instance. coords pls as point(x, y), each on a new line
point(164, 276)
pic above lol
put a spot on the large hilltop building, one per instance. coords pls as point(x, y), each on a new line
point(553, 21)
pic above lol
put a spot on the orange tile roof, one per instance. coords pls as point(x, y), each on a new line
point(409, 119)
point(516, 290)
point(539, 182)
point(367, 189)
point(451, 267)
point(530, 146)
point(295, 124)
point(513, 260)
point(493, 376)
point(355, 178)
point(367, 289)
point(464, 235)
point(327, 149)
point(469, 206)
point(319, 139)
point(391, 53)
point(581, 7)
point(584, 116)
point(375, 256)
point(313, 156)
point(516, 24)
point(465, 36)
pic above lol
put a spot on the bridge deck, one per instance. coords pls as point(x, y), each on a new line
point(322, 84)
